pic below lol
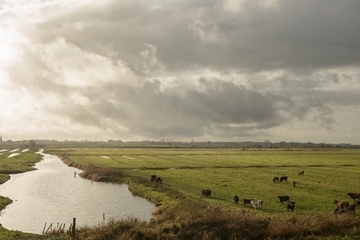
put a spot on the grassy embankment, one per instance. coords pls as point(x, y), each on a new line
point(184, 214)
point(24, 161)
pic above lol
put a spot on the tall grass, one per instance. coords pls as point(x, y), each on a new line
point(216, 223)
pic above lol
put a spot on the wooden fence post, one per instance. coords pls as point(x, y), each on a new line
point(73, 227)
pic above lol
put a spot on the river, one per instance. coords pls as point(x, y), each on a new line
point(54, 194)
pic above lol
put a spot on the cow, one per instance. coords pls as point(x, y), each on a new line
point(290, 205)
point(247, 201)
point(283, 178)
point(236, 199)
point(293, 183)
point(153, 177)
point(259, 203)
point(253, 203)
point(284, 198)
point(301, 172)
point(275, 179)
point(354, 196)
point(158, 180)
point(350, 209)
point(341, 204)
point(206, 192)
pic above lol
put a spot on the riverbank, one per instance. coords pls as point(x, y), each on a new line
point(14, 161)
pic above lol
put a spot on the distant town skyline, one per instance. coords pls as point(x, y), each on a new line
point(227, 70)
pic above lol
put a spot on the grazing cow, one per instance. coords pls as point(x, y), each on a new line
point(350, 209)
point(247, 201)
point(290, 205)
point(259, 203)
point(275, 179)
point(153, 178)
point(236, 199)
point(284, 198)
point(283, 178)
point(253, 203)
point(354, 196)
point(301, 172)
point(341, 204)
point(158, 180)
point(293, 183)
point(206, 192)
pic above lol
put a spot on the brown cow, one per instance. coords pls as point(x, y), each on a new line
point(351, 209)
point(341, 204)
point(301, 172)
point(354, 196)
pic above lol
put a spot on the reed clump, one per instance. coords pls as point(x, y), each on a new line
point(95, 173)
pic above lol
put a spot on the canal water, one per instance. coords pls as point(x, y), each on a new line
point(54, 194)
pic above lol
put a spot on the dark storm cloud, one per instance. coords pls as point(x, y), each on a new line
point(217, 106)
point(187, 34)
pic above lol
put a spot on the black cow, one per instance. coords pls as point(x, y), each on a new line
point(247, 201)
point(275, 179)
point(236, 199)
point(293, 183)
point(153, 177)
point(283, 178)
point(290, 205)
point(284, 198)
point(206, 192)
point(158, 179)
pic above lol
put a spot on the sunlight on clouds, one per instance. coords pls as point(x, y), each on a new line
point(80, 68)
point(235, 6)
point(16, 107)
point(150, 62)
point(206, 31)
point(241, 6)
point(8, 49)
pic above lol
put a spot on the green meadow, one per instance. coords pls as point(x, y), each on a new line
point(329, 173)
point(182, 213)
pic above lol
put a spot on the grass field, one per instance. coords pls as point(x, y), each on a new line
point(329, 173)
point(184, 214)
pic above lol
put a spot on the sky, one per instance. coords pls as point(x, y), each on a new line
point(185, 70)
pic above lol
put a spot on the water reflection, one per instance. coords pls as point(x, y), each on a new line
point(52, 194)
